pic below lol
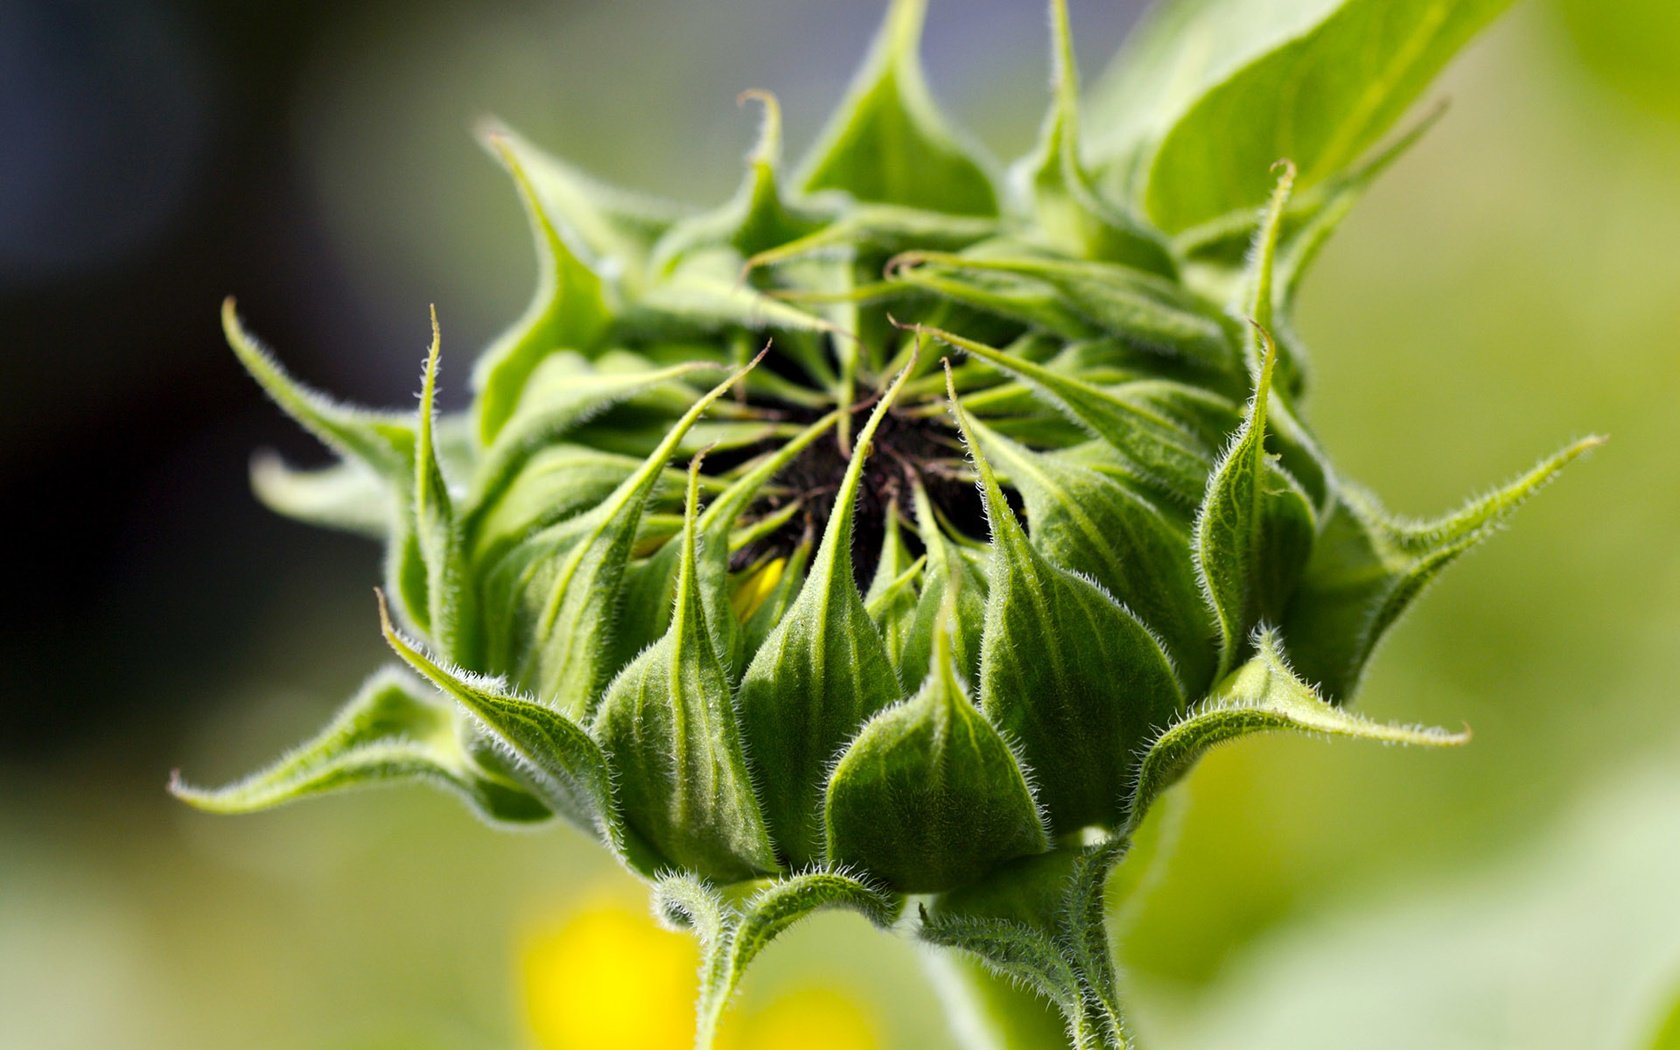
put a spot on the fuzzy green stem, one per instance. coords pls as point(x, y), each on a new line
point(988, 1012)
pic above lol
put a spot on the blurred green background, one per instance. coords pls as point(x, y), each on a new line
point(1511, 284)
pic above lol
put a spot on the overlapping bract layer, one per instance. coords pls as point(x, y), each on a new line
point(817, 657)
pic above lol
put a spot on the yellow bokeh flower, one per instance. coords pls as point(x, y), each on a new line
point(605, 977)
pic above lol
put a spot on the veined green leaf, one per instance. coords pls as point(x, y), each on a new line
point(1253, 531)
point(555, 484)
point(888, 143)
point(1368, 567)
point(1176, 53)
point(1320, 99)
point(668, 725)
point(1094, 525)
point(1263, 695)
point(568, 310)
point(1065, 670)
point(928, 795)
point(1066, 207)
point(388, 732)
point(822, 671)
point(706, 292)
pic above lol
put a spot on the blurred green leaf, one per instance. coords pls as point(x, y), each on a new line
point(1320, 100)
point(888, 142)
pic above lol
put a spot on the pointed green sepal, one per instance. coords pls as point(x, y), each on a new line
point(667, 724)
point(570, 589)
point(553, 755)
point(1253, 531)
point(568, 310)
point(929, 795)
point(822, 672)
point(1071, 675)
point(1092, 524)
point(888, 142)
point(1264, 695)
point(435, 531)
point(952, 577)
point(1368, 567)
point(1066, 207)
point(384, 441)
point(389, 732)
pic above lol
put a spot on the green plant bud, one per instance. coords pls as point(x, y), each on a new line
point(929, 794)
point(1106, 510)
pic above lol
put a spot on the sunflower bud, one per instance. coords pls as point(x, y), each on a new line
point(904, 624)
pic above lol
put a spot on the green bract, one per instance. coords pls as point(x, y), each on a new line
point(899, 628)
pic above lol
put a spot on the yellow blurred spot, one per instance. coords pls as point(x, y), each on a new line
point(607, 976)
point(807, 1018)
point(756, 587)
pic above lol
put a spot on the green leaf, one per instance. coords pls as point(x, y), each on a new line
point(384, 441)
point(928, 795)
point(388, 732)
point(568, 311)
point(1066, 209)
point(1065, 671)
point(668, 725)
point(733, 934)
point(565, 582)
point(1320, 99)
point(1253, 532)
point(1368, 567)
point(1263, 695)
point(819, 675)
point(562, 765)
point(1087, 522)
point(888, 142)
point(348, 495)
point(611, 230)
point(758, 217)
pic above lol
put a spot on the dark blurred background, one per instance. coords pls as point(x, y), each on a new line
point(1511, 284)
